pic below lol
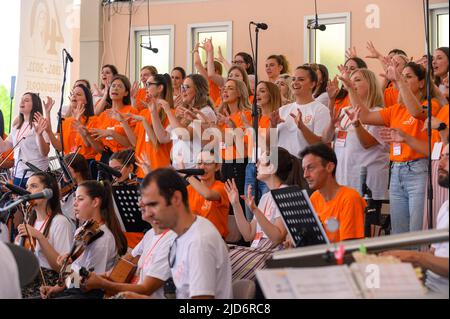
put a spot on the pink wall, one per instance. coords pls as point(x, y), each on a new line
point(401, 25)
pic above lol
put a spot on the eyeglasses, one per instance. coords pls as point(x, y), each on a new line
point(185, 87)
point(238, 62)
point(149, 84)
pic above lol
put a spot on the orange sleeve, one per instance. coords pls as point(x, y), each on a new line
point(443, 114)
point(386, 115)
point(141, 96)
point(352, 216)
point(214, 90)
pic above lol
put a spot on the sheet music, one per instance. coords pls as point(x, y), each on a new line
point(395, 281)
point(274, 284)
point(330, 282)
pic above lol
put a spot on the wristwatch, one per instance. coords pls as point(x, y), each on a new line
point(442, 126)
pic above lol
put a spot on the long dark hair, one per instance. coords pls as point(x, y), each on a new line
point(79, 165)
point(290, 170)
point(36, 107)
point(126, 82)
point(201, 86)
point(438, 80)
point(103, 191)
point(114, 71)
point(322, 87)
point(124, 156)
point(53, 204)
point(248, 60)
point(89, 106)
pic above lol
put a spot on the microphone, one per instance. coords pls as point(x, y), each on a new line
point(109, 169)
point(16, 189)
point(192, 171)
point(46, 193)
point(68, 56)
point(317, 26)
point(149, 47)
point(33, 168)
point(261, 25)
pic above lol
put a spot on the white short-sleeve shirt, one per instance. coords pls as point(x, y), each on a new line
point(435, 282)
point(315, 116)
point(202, 265)
point(27, 150)
point(60, 237)
point(9, 274)
point(351, 156)
point(154, 262)
point(100, 255)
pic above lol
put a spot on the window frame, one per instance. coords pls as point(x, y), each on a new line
point(330, 18)
point(435, 10)
point(135, 59)
point(225, 26)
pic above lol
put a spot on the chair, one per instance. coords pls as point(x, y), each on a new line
point(244, 289)
point(234, 235)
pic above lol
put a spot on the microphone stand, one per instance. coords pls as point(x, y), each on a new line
point(255, 115)
point(60, 119)
point(426, 4)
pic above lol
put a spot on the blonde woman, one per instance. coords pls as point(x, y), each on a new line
point(284, 85)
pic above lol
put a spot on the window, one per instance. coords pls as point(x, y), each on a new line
point(221, 34)
point(162, 39)
point(326, 47)
point(439, 25)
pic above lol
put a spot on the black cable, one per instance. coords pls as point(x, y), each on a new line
point(129, 36)
point(148, 24)
point(251, 43)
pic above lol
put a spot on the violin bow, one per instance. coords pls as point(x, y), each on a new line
point(68, 164)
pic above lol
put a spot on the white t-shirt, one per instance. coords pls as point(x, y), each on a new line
point(154, 262)
point(270, 209)
point(182, 142)
point(4, 233)
point(323, 98)
point(351, 156)
point(60, 237)
point(202, 265)
point(9, 274)
point(316, 117)
point(27, 150)
point(100, 255)
point(435, 282)
point(67, 207)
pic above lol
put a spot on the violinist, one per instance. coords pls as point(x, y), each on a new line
point(125, 163)
point(93, 200)
point(50, 232)
point(153, 265)
point(79, 169)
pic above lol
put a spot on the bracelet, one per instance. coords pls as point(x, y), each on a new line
point(442, 126)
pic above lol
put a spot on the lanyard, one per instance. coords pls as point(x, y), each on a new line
point(149, 254)
point(45, 223)
point(21, 134)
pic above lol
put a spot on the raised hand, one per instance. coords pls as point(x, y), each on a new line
point(232, 191)
point(374, 53)
point(353, 114)
point(40, 123)
point(351, 53)
point(163, 104)
point(78, 111)
point(220, 57)
point(392, 135)
point(207, 45)
point(96, 91)
point(134, 89)
point(115, 115)
point(275, 119)
point(297, 118)
point(48, 104)
point(99, 133)
point(249, 198)
point(333, 88)
point(178, 101)
point(144, 163)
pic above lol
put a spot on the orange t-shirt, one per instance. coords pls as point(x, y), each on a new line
point(141, 96)
point(442, 116)
point(229, 152)
point(105, 122)
point(397, 116)
point(69, 135)
point(215, 211)
point(218, 102)
point(87, 152)
point(340, 104)
point(347, 207)
point(159, 155)
point(214, 90)
point(390, 96)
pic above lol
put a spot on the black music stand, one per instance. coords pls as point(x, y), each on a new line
point(126, 205)
point(299, 216)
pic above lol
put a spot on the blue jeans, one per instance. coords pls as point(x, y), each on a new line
point(250, 171)
point(406, 195)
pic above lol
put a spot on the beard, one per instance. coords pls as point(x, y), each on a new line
point(443, 180)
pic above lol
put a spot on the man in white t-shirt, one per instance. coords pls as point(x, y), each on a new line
point(435, 262)
point(301, 123)
point(152, 267)
point(198, 257)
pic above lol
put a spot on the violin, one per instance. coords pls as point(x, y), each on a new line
point(28, 242)
point(88, 233)
point(68, 189)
